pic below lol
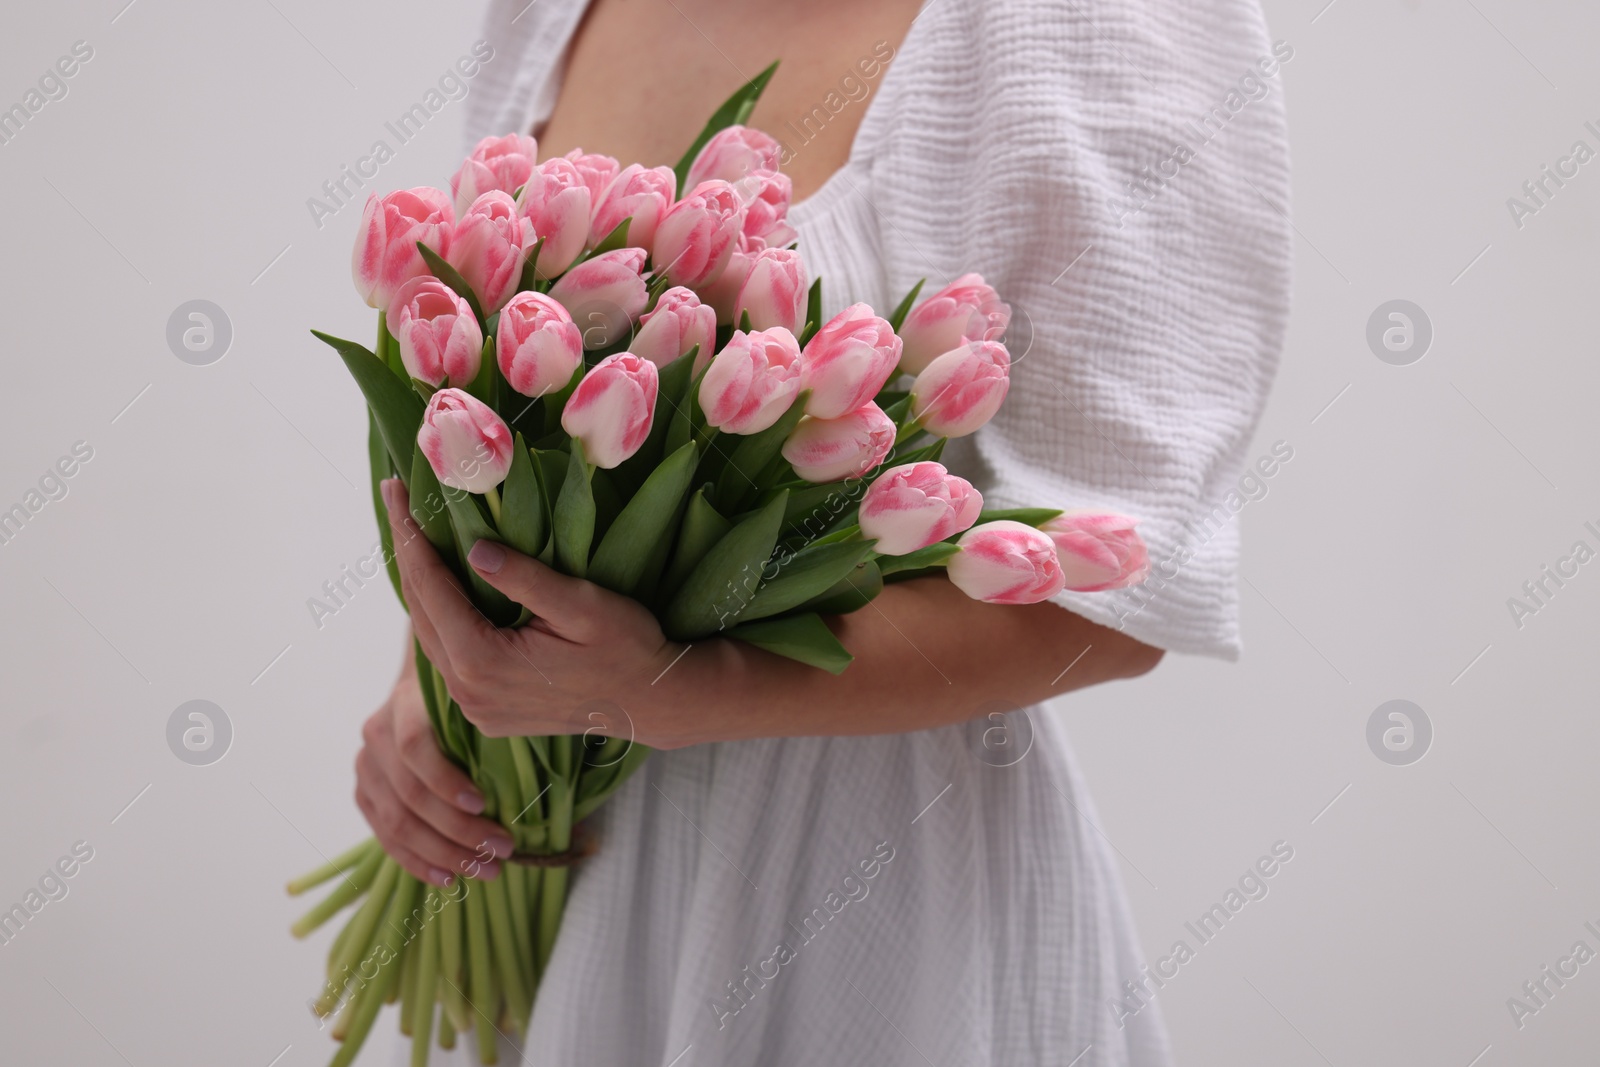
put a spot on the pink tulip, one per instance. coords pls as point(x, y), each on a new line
point(597, 171)
point(752, 381)
point(604, 295)
point(775, 292)
point(766, 195)
point(962, 389)
point(1098, 550)
point(437, 333)
point(612, 408)
point(468, 446)
point(638, 193)
point(489, 246)
point(1006, 562)
point(723, 293)
point(556, 201)
point(917, 505)
point(830, 450)
point(698, 234)
point(678, 323)
point(386, 255)
point(848, 361)
point(502, 163)
point(967, 309)
point(732, 153)
point(537, 344)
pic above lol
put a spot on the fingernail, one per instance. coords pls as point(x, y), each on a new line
point(487, 556)
point(386, 487)
point(488, 872)
point(470, 802)
point(438, 877)
point(501, 846)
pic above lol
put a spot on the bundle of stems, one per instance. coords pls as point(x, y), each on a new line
point(465, 958)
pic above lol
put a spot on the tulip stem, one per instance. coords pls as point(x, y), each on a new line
point(491, 495)
point(908, 431)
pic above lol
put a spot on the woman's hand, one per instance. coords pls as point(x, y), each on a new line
point(422, 808)
point(925, 655)
point(583, 644)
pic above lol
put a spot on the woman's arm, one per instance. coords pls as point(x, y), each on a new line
point(926, 656)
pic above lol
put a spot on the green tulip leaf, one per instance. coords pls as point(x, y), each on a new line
point(382, 467)
point(803, 575)
point(733, 112)
point(805, 638)
point(428, 505)
point(397, 409)
point(648, 519)
point(573, 520)
point(850, 593)
point(1026, 516)
point(523, 522)
point(813, 320)
point(471, 525)
point(617, 238)
point(931, 556)
point(737, 481)
point(702, 527)
point(719, 588)
point(904, 307)
point(452, 277)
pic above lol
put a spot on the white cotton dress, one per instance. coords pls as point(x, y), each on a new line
point(993, 931)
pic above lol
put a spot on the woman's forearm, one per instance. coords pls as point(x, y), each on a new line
point(925, 656)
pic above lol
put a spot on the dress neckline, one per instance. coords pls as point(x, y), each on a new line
point(547, 91)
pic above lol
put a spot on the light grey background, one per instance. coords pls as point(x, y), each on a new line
point(1379, 565)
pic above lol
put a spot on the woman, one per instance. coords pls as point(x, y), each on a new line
point(728, 915)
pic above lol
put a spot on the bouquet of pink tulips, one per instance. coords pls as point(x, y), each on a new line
point(636, 387)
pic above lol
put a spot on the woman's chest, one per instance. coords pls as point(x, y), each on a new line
point(642, 76)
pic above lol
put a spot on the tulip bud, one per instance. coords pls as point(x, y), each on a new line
point(1006, 562)
point(848, 361)
point(642, 194)
point(597, 171)
point(604, 295)
point(556, 201)
point(677, 323)
point(916, 505)
point(468, 446)
point(502, 163)
point(698, 234)
point(1098, 550)
point(489, 246)
point(766, 195)
point(733, 152)
point(752, 381)
point(537, 345)
point(830, 450)
point(437, 332)
point(775, 292)
point(386, 255)
point(967, 309)
point(612, 408)
point(962, 389)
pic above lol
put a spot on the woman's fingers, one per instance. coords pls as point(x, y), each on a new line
point(566, 605)
point(433, 787)
point(414, 844)
point(460, 632)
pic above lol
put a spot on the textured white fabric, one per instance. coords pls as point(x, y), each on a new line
point(1000, 141)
